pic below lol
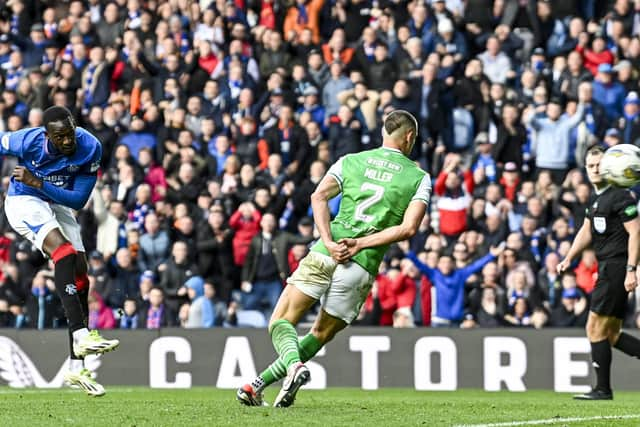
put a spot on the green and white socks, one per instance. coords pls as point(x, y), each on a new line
point(306, 348)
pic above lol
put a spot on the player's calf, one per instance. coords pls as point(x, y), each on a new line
point(64, 258)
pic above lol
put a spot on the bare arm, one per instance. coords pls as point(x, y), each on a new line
point(582, 240)
point(633, 228)
point(407, 229)
point(327, 189)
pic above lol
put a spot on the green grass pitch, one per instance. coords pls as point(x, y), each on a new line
point(333, 407)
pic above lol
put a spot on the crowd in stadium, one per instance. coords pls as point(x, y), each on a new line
point(219, 118)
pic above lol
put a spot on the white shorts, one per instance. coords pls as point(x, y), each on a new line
point(33, 219)
point(341, 288)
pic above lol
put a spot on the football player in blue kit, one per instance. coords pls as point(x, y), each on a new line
point(56, 173)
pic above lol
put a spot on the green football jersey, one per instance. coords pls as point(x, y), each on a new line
point(377, 187)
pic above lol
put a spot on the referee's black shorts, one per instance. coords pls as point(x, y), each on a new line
point(609, 297)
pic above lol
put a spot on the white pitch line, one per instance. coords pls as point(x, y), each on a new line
point(554, 421)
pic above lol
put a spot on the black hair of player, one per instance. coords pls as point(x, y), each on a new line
point(56, 114)
point(60, 129)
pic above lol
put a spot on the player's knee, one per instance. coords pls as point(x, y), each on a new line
point(53, 241)
point(597, 330)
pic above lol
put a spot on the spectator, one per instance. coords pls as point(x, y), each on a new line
point(123, 281)
point(157, 315)
point(266, 265)
point(336, 83)
point(449, 284)
point(486, 314)
point(175, 272)
point(629, 123)
point(551, 143)
point(287, 139)
point(496, 64)
point(587, 271)
point(130, 318)
point(454, 187)
point(608, 93)
point(100, 316)
point(154, 244)
point(215, 253)
point(345, 134)
point(201, 311)
point(44, 309)
point(245, 222)
point(571, 312)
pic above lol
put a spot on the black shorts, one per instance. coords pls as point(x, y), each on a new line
point(609, 297)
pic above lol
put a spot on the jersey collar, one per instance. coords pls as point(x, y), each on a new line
point(602, 190)
point(391, 149)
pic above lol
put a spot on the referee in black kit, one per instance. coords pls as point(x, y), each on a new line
point(612, 227)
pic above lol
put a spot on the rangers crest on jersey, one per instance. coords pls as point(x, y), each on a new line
point(600, 224)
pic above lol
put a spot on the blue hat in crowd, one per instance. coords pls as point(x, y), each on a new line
point(632, 98)
point(147, 275)
point(613, 132)
point(196, 283)
point(605, 68)
point(571, 293)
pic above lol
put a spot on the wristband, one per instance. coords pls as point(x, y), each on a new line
point(631, 267)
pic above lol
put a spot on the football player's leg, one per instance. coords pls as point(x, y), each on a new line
point(598, 327)
point(88, 343)
point(349, 287)
point(291, 306)
point(82, 286)
point(64, 257)
point(626, 343)
point(309, 282)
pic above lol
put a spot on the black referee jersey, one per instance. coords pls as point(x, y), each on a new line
point(608, 211)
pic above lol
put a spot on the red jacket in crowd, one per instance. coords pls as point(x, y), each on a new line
point(405, 289)
point(593, 59)
point(586, 276)
point(157, 181)
point(245, 230)
point(400, 292)
point(453, 204)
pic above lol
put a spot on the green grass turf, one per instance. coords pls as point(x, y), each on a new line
point(333, 407)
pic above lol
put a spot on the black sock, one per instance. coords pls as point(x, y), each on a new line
point(64, 278)
point(601, 356)
point(83, 295)
point(629, 345)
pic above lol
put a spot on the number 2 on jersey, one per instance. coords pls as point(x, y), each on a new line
point(378, 192)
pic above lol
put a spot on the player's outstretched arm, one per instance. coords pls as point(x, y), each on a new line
point(407, 229)
point(74, 198)
point(582, 240)
point(633, 228)
point(327, 189)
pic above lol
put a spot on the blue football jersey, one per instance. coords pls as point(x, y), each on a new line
point(57, 171)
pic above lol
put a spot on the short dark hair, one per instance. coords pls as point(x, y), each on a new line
point(398, 119)
point(594, 150)
point(56, 114)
